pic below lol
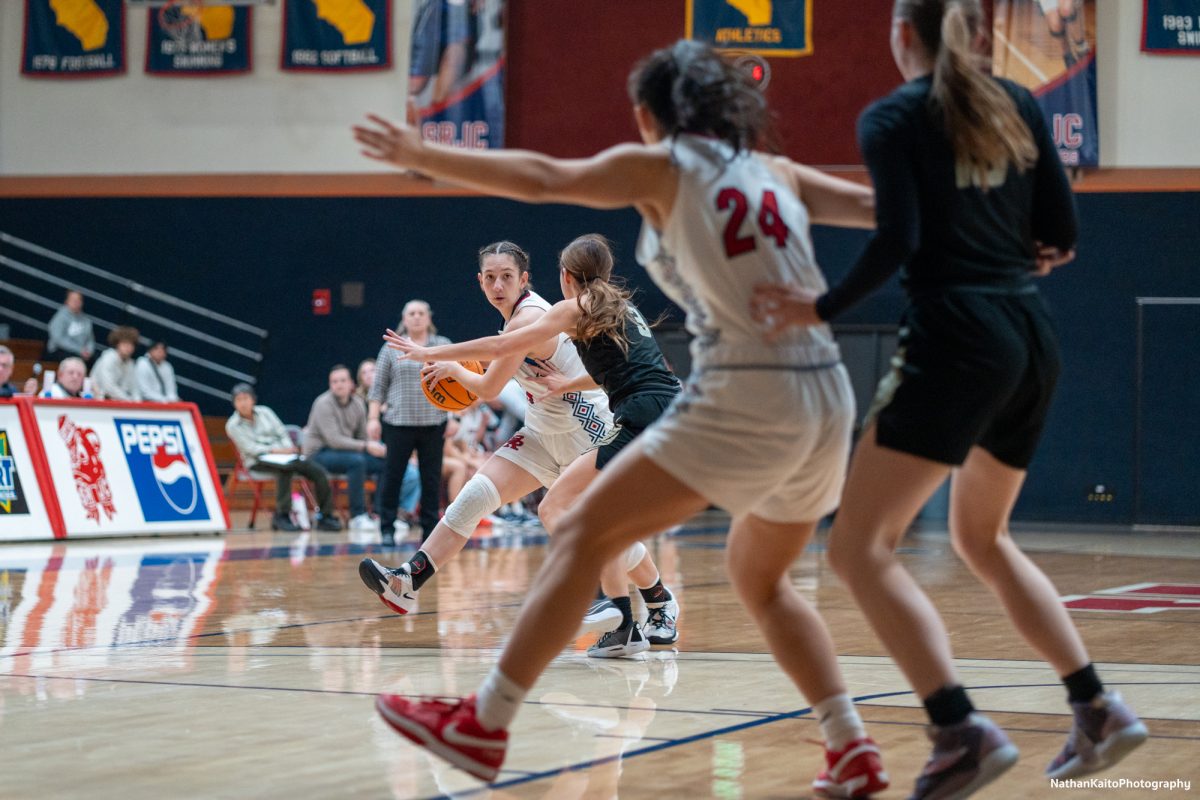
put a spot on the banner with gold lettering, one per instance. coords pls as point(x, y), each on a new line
point(337, 35)
point(198, 40)
point(776, 28)
point(74, 38)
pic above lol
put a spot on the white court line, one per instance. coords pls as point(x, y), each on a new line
point(1041, 76)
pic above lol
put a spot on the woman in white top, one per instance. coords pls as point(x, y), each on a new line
point(557, 428)
point(761, 429)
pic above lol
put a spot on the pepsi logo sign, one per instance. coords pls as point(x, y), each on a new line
point(162, 470)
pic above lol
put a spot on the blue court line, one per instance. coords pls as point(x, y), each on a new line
point(584, 765)
point(637, 738)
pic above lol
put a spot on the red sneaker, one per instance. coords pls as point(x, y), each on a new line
point(854, 771)
point(448, 728)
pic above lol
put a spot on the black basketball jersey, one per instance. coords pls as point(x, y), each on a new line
point(642, 370)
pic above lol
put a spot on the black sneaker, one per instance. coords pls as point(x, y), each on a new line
point(328, 523)
point(966, 757)
point(282, 522)
point(602, 616)
point(620, 643)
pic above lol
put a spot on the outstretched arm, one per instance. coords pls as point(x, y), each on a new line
point(561, 318)
point(621, 176)
point(830, 200)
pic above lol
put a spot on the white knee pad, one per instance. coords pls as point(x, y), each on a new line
point(634, 555)
point(477, 499)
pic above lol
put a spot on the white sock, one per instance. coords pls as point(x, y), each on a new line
point(498, 700)
point(840, 723)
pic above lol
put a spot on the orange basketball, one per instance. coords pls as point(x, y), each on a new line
point(450, 395)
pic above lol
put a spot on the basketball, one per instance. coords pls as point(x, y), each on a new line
point(450, 395)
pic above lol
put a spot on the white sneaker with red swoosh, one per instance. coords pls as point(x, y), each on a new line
point(448, 728)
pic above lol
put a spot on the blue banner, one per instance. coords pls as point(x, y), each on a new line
point(1049, 46)
point(337, 35)
point(160, 464)
point(83, 38)
point(203, 40)
point(456, 71)
point(1171, 27)
point(781, 28)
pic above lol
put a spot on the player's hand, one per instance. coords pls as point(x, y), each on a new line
point(408, 349)
point(376, 449)
point(435, 371)
point(554, 382)
point(779, 306)
point(374, 430)
point(1050, 258)
point(385, 141)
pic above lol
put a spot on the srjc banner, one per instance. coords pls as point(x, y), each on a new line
point(337, 35)
point(1171, 27)
point(1049, 46)
point(206, 39)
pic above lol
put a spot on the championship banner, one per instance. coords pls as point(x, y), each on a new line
point(456, 71)
point(129, 468)
point(337, 35)
point(199, 40)
point(23, 513)
point(779, 28)
point(74, 38)
point(1049, 46)
point(1171, 27)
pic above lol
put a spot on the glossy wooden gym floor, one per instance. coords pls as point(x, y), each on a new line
point(245, 666)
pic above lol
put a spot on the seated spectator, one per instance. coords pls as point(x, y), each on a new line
point(264, 445)
point(6, 369)
point(336, 438)
point(366, 379)
point(71, 332)
point(113, 376)
point(69, 380)
point(156, 376)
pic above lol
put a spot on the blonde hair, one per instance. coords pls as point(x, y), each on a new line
point(603, 305)
point(400, 329)
point(981, 119)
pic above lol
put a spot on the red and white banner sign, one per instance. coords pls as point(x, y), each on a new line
point(119, 468)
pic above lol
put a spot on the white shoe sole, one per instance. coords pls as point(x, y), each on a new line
point(619, 650)
point(376, 577)
point(993, 765)
point(605, 621)
point(419, 734)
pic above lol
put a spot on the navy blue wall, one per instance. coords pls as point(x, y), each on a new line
point(260, 259)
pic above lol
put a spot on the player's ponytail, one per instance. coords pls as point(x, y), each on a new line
point(689, 88)
point(603, 305)
point(981, 119)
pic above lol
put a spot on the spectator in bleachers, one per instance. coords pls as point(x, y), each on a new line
point(71, 331)
point(113, 376)
point(265, 446)
point(366, 379)
point(68, 381)
point(156, 376)
point(336, 438)
point(7, 359)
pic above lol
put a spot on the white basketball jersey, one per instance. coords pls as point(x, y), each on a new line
point(561, 413)
point(734, 224)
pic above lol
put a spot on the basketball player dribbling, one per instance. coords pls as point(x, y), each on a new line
point(762, 430)
point(972, 201)
point(618, 350)
point(557, 428)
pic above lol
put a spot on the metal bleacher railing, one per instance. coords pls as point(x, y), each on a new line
point(209, 351)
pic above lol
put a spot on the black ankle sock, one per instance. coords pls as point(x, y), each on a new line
point(626, 608)
point(656, 594)
point(420, 568)
point(1083, 685)
point(948, 706)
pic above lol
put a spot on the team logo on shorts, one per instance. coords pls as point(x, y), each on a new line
point(91, 482)
point(11, 499)
point(162, 470)
point(515, 442)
